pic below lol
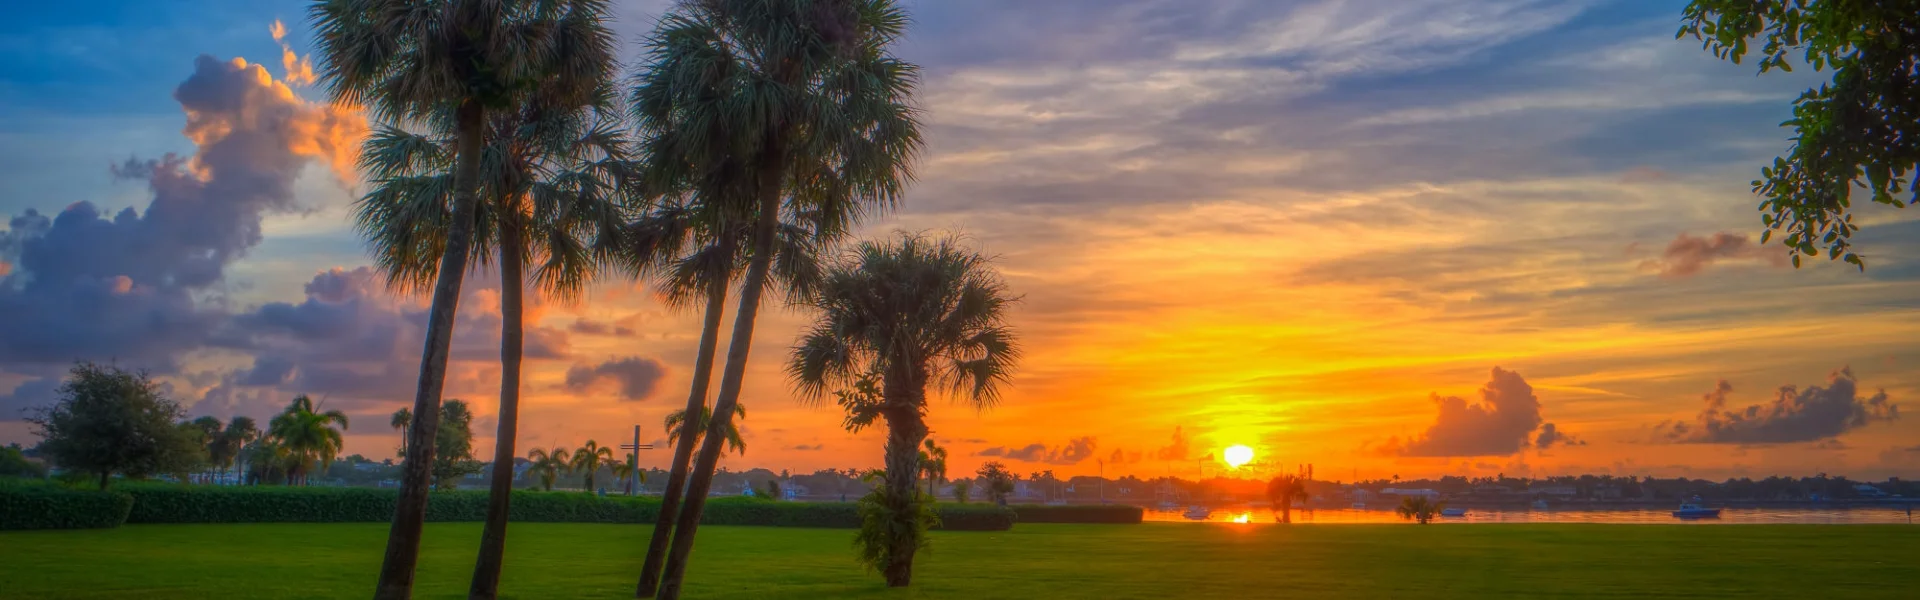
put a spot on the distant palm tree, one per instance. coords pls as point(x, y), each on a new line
point(588, 458)
point(793, 107)
point(933, 463)
point(912, 311)
point(676, 424)
point(308, 436)
point(1282, 491)
point(625, 471)
point(227, 446)
point(1419, 508)
point(548, 465)
point(418, 60)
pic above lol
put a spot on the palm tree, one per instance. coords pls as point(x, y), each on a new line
point(1419, 508)
point(307, 435)
point(776, 107)
point(554, 190)
point(588, 458)
point(933, 463)
point(415, 60)
point(628, 471)
point(913, 311)
point(1282, 490)
point(548, 465)
point(676, 424)
point(227, 446)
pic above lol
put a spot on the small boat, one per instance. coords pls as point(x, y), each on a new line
point(1197, 513)
point(1693, 510)
point(1453, 512)
point(1540, 504)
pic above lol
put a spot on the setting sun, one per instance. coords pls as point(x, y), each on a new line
point(1237, 455)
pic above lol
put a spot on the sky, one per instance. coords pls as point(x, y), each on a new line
point(1383, 237)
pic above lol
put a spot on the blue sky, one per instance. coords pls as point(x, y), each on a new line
point(1276, 223)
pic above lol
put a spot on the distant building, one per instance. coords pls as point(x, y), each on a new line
point(1554, 490)
point(1868, 491)
point(1424, 492)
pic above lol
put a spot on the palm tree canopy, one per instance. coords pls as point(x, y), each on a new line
point(676, 424)
point(590, 456)
point(307, 433)
point(401, 418)
point(922, 306)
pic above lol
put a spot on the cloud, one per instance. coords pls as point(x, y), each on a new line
point(1178, 449)
point(637, 377)
point(1551, 435)
point(1122, 457)
point(808, 447)
point(1687, 256)
point(1501, 423)
point(299, 69)
point(1794, 415)
point(585, 326)
point(145, 286)
point(1075, 451)
point(30, 394)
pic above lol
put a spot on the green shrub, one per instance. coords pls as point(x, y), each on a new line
point(1125, 514)
point(42, 506)
point(974, 517)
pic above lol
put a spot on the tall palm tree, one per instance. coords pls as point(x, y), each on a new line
point(784, 107)
point(933, 463)
point(227, 447)
point(676, 424)
point(588, 459)
point(911, 311)
point(1282, 490)
point(548, 465)
point(308, 435)
point(554, 195)
point(413, 60)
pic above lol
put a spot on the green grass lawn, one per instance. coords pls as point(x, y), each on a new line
point(1032, 561)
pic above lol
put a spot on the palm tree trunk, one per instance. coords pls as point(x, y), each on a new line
point(772, 176)
point(905, 430)
point(683, 447)
point(410, 513)
point(493, 536)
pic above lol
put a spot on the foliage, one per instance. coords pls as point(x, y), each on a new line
point(225, 443)
point(1282, 491)
point(962, 490)
point(997, 481)
point(676, 424)
point(1123, 514)
point(453, 446)
point(109, 420)
point(47, 506)
point(1419, 508)
point(548, 465)
point(307, 435)
point(1857, 130)
point(14, 463)
point(891, 523)
point(772, 491)
point(933, 464)
point(587, 460)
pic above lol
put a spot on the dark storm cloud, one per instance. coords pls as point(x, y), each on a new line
point(1794, 415)
point(144, 286)
point(1075, 451)
point(637, 378)
point(586, 326)
point(1687, 256)
point(30, 394)
point(1550, 436)
point(1501, 423)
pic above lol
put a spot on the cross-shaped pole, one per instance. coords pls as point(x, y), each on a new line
point(633, 457)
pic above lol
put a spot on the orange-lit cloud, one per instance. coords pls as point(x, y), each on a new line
point(299, 69)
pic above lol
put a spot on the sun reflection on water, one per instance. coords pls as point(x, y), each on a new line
point(1245, 517)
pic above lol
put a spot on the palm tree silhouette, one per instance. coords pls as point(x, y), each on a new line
point(676, 424)
point(588, 458)
point(1281, 492)
point(548, 465)
point(912, 311)
point(834, 141)
point(410, 61)
point(308, 436)
point(933, 463)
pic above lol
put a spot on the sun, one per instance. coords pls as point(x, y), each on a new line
point(1237, 455)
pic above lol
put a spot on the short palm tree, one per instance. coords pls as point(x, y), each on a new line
point(776, 108)
point(1282, 491)
point(548, 465)
point(627, 471)
point(1419, 508)
point(309, 436)
point(933, 463)
point(415, 60)
point(677, 425)
point(910, 312)
point(227, 447)
point(588, 459)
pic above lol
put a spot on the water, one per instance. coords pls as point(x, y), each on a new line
point(1837, 516)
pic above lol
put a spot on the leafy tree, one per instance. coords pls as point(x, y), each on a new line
point(588, 459)
point(796, 107)
point(453, 443)
point(1859, 130)
point(14, 463)
point(773, 489)
point(933, 464)
point(676, 424)
point(308, 436)
point(997, 481)
point(109, 420)
point(410, 60)
point(548, 465)
point(912, 312)
point(1282, 491)
point(962, 490)
point(1419, 508)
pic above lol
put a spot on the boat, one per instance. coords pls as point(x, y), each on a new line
point(1540, 504)
point(1693, 510)
point(1453, 512)
point(1197, 513)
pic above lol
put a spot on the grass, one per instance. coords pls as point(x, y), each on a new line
point(1032, 561)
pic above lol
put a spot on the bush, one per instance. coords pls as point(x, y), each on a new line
point(163, 503)
point(1124, 514)
point(41, 506)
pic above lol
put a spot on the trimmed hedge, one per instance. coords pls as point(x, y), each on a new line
point(273, 504)
point(54, 507)
point(1124, 514)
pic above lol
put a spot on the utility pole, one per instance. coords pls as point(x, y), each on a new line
point(633, 458)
